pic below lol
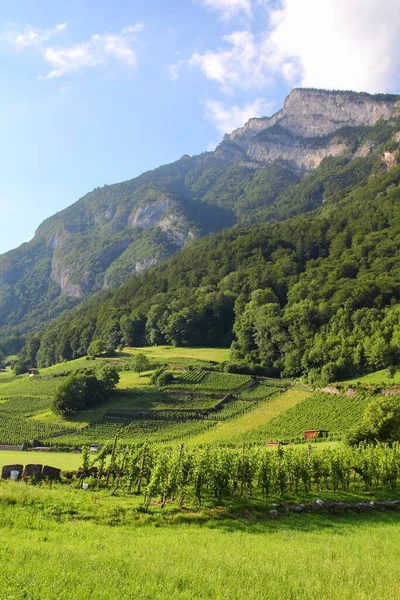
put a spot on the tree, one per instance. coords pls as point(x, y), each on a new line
point(140, 363)
point(381, 422)
point(78, 392)
point(165, 378)
point(391, 371)
point(109, 376)
point(20, 367)
point(96, 348)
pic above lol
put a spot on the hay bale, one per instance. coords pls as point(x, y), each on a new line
point(51, 472)
point(34, 471)
point(6, 471)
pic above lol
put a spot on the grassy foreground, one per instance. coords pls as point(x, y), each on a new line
point(58, 544)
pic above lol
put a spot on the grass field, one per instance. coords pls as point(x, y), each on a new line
point(59, 544)
point(377, 378)
point(166, 353)
point(61, 460)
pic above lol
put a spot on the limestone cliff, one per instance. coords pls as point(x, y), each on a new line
point(310, 127)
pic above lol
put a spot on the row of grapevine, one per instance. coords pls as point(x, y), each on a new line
point(23, 405)
point(133, 433)
point(258, 392)
point(225, 473)
point(335, 413)
point(16, 430)
point(192, 376)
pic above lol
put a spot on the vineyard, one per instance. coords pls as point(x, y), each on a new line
point(157, 432)
point(212, 474)
point(15, 430)
point(335, 413)
point(23, 406)
point(201, 406)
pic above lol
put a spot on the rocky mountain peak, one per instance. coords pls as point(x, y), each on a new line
point(291, 134)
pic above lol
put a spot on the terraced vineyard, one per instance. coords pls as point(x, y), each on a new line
point(212, 382)
point(335, 413)
point(205, 406)
point(192, 376)
point(23, 406)
point(15, 430)
point(38, 386)
point(135, 432)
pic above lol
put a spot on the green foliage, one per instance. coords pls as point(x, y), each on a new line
point(164, 378)
point(20, 367)
point(381, 422)
point(109, 377)
point(79, 392)
point(96, 348)
point(140, 363)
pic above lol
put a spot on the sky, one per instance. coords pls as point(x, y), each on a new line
point(95, 92)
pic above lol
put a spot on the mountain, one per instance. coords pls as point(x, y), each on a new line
point(319, 145)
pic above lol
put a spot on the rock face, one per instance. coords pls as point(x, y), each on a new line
point(309, 127)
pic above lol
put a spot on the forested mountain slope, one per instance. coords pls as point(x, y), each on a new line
point(317, 294)
point(319, 146)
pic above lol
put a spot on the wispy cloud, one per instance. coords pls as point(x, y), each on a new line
point(32, 36)
point(241, 63)
point(227, 118)
point(97, 51)
point(228, 8)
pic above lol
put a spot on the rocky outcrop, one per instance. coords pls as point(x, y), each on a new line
point(148, 215)
point(302, 133)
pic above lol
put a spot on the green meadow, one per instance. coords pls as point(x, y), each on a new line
point(70, 544)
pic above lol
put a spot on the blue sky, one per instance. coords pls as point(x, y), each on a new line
point(98, 92)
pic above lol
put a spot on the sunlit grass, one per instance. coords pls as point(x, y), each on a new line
point(377, 378)
point(61, 460)
point(59, 544)
point(172, 352)
point(240, 426)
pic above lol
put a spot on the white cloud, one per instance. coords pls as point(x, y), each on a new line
point(240, 65)
point(228, 118)
point(336, 44)
point(173, 70)
point(31, 36)
point(229, 8)
point(98, 50)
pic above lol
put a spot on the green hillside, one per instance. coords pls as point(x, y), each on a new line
point(118, 231)
point(315, 295)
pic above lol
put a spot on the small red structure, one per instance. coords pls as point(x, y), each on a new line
point(313, 434)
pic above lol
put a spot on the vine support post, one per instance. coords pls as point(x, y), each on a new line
point(139, 488)
point(111, 459)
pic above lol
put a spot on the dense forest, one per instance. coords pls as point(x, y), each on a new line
point(315, 295)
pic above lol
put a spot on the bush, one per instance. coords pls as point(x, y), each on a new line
point(164, 379)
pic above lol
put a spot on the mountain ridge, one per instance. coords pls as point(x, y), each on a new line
point(116, 231)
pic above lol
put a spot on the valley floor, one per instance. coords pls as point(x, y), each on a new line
point(72, 545)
